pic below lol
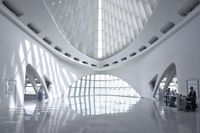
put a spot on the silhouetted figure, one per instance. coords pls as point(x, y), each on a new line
point(167, 96)
point(172, 98)
point(192, 99)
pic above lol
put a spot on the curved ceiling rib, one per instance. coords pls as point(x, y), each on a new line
point(117, 26)
point(121, 21)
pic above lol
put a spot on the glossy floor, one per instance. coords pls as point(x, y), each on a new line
point(103, 115)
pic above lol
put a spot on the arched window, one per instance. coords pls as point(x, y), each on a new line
point(167, 80)
point(101, 85)
point(100, 95)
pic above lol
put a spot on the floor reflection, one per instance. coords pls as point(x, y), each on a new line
point(105, 114)
point(101, 105)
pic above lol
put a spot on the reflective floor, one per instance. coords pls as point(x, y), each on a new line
point(107, 114)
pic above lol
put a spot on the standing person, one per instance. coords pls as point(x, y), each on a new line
point(173, 98)
point(167, 96)
point(192, 98)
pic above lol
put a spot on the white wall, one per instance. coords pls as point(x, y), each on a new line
point(181, 48)
point(17, 49)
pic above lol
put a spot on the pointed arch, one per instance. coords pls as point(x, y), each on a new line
point(31, 75)
point(169, 73)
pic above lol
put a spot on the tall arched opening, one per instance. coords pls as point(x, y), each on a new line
point(36, 87)
point(167, 81)
point(101, 94)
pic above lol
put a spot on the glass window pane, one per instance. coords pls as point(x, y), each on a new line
point(97, 77)
point(92, 77)
point(82, 91)
point(73, 85)
point(87, 83)
point(86, 91)
point(97, 83)
point(83, 83)
point(78, 83)
point(104, 85)
point(103, 77)
point(72, 91)
point(97, 91)
point(92, 84)
point(91, 91)
point(77, 91)
point(88, 77)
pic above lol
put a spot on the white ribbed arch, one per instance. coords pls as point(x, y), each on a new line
point(100, 28)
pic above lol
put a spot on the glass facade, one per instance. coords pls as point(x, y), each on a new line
point(101, 85)
point(100, 95)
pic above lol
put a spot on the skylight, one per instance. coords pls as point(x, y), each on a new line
point(100, 28)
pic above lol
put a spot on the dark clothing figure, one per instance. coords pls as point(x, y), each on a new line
point(167, 96)
point(173, 98)
point(192, 99)
point(192, 96)
point(168, 92)
point(40, 96)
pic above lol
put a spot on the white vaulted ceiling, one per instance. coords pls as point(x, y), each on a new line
point(99, 34)
point(77, 21)
point(100, 28)
point(123, 20)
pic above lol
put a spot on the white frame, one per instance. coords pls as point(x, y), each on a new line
point(10, 86)
point(193, 83)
